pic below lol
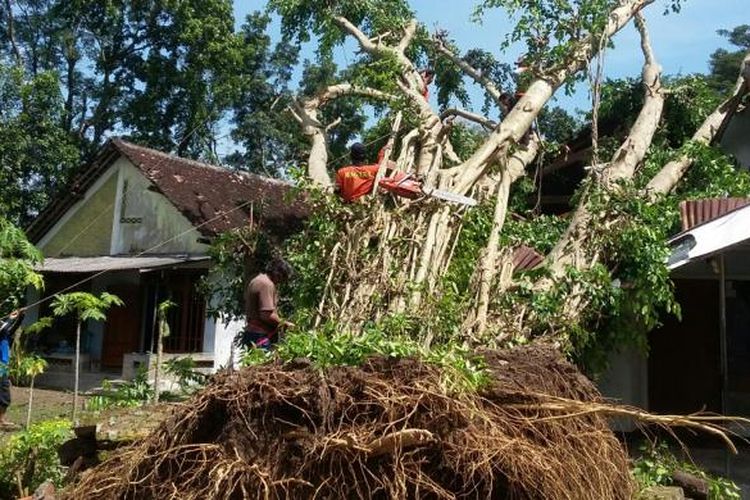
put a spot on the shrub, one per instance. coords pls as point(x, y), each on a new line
point(132, 393)
point(29, 458)
point(657, 464)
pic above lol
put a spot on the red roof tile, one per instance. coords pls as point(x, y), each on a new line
point(526, 258)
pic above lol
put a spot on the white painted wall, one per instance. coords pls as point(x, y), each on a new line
point(160, 221)
point(626, 382)
point(224, 333)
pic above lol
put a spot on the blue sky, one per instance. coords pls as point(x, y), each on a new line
point(682, 42)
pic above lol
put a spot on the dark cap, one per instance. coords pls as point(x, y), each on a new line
point(358, 153)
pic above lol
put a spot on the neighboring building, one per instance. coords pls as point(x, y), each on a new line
point(138, 223)
point(701, 361)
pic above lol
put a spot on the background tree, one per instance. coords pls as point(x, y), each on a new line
point(17, 260)
point(37, 153)
point(724, 63)
point(84, 306)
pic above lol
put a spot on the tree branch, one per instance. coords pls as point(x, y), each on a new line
point(520, 118)
point(486, 271)
point(409, 72)
point(342, 89)
point(409, 31)
point(473, 73)
point(628, 156)
point(364, 42)
point(468, 115)
point(11, 32)
point(305, 111)
point(668, 177)
point(633, 149)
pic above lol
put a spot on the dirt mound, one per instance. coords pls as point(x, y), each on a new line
point(384, 430)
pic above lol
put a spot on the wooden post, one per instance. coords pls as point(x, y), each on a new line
point(723, 346)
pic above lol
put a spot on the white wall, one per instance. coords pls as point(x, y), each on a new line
point(160, 220)
point(626, 382)
point(224, 334)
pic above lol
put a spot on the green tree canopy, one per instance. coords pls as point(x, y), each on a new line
point(17, 259)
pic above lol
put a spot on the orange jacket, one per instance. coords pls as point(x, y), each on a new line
point(355, 181)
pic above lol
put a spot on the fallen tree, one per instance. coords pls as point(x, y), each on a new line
point(408, 259)
point(443, 275)
point(391, 428)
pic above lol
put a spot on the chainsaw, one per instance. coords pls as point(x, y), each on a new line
point(409, 187)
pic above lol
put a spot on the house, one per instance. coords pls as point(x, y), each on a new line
point(138, 223)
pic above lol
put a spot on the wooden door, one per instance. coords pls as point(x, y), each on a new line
point(122, 332)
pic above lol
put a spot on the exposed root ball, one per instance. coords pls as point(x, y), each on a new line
point(384, 430)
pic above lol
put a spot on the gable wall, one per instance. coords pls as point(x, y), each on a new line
point(86, 229)
point(146, 218)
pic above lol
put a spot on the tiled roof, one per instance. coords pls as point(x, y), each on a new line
point(213, 198)
point(696, 212)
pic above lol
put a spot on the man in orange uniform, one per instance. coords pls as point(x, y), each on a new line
point(356, 180)
point(428, 76)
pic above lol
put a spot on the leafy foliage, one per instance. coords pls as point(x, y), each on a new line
point(85, 306)
point(627, 290)
point(301, 19)
point(28, 458)
point(270, 139)
point(235, 256)
point(550, 27)
point(327, 347)
point(184, 370)
point(656, 464)
point(17, 259)
point(724, 63)
point(36, 153)
point(129, 394)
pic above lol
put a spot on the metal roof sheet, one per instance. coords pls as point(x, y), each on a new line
point(114, 263)
point(710, 237)
point(696, 212)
